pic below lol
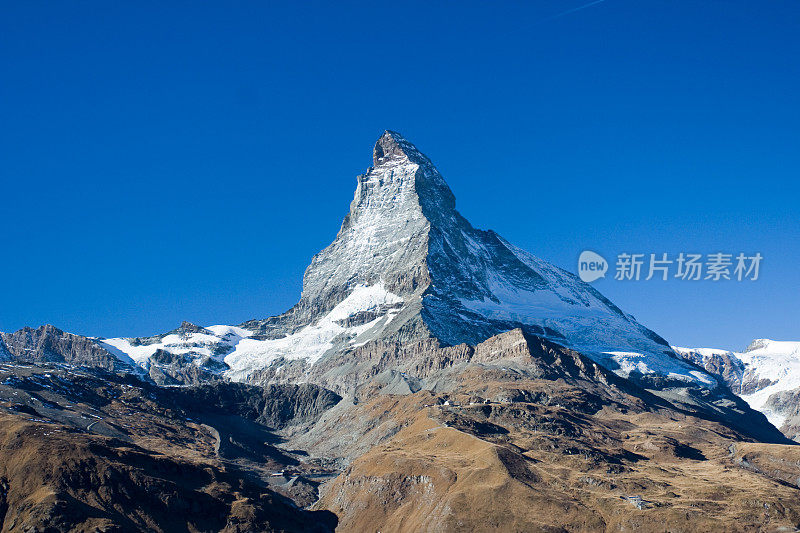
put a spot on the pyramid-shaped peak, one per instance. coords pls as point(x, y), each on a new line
point(405, 267)
point(392, 145)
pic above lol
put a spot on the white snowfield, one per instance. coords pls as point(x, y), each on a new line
point(233, 345)
point(313, 341)
point(244, 355)
point(198, 345)
point(764, 359)
point(614, 341)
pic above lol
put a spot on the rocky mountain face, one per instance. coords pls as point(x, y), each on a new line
point(4, 353)
point(766, 375)
point(275, 406)
point(50, 344)
point(407, 267)
point(786, 404)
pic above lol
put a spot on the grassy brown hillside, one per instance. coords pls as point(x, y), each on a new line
point(577, 451)
point(477, 468)
point(84, 451)
point(54, 479)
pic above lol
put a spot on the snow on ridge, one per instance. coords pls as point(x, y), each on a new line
point(313, 341)
point(113, 349)
point(198, 345)
point(701, 356)
point(702, 351)
point(235, 347)
point(221, 330)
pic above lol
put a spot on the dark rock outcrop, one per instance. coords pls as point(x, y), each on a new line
point(51, 345)
point(184, 329)
point(276, 406)
point(167, 368)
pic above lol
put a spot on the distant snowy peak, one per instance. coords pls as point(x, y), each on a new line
point(779, 349)
point(759, 374)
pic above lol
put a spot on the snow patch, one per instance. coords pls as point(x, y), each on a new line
point(313, 341)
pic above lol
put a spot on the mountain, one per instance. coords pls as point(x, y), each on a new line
point(406, 267)
point(766, 375)
point(407, 289)
point(432, 377)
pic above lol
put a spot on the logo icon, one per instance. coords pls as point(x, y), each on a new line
point(591, 266)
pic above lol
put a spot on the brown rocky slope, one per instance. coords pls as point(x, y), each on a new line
point(86, 450)
point(540, 438)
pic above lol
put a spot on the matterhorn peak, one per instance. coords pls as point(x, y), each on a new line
point(406, 266)
point(406, 173)
point(391, 145)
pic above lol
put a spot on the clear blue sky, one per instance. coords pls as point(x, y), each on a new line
point(163, 161)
